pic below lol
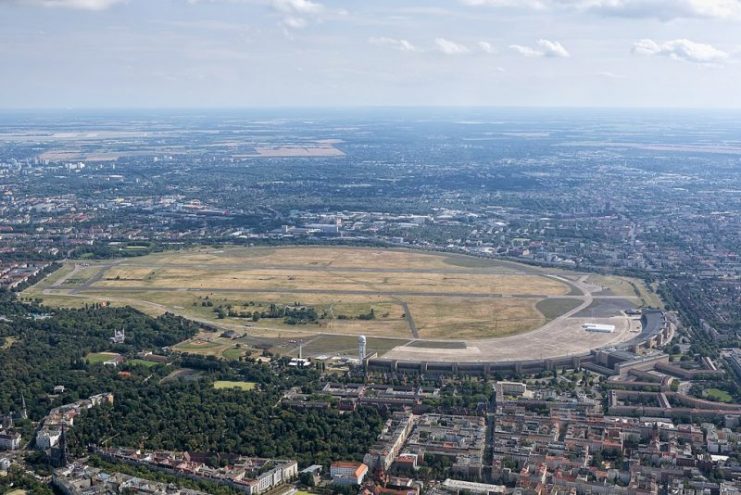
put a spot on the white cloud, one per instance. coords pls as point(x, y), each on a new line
point(450, 47)
point(610, 75)
point(69, 4)
point(294, 12)
point(396, 44)
point(294, 22)
point(546, 48)
point(661, 9)
point(532, 4)
point(486, 47)
point(296, 6)
point(682, 49)
point(553, 49)
point(526, 51)
point(666, 9)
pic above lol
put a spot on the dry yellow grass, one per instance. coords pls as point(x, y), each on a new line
point(389, 321)
point(287, 279)
point(336, 257)
point(438, 288)
point(461, 318)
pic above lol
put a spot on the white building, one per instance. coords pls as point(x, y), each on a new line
point(9, 440)
point(597, 327)
point(348, 473)
point(47, 438)
point(458, 486)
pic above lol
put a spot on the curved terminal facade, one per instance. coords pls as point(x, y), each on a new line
point(655, 330)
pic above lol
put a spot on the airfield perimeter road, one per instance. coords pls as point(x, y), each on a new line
point(89, 285)
point(474, 295)
point(559, 337)
point(562, 336)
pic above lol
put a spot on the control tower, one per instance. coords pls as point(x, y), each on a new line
point(362, 352)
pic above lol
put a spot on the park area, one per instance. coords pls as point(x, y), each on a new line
point(272, 298)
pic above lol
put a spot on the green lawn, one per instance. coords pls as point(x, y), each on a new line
point(718, 395)
point(553, 308)
point(100, 357)
point(233, 353)
point(198, 345)
point(221, 384)
point(141, 362)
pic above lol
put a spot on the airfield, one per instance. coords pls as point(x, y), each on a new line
point(410, 304)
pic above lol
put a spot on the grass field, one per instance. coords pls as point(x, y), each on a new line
point(717, 395)
point(412, 294)
point(141, 362)
point(234, 353)
point(207, 345)
point(211, 344)
point(552, 308)
point(628, 287)
point(345, 345)
point(221, 384)
point(100, 357)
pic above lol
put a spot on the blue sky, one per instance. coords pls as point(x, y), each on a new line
point(247, 53)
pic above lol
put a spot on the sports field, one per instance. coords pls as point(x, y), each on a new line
point(294, 293)
point(101, 357)
point(225, 384)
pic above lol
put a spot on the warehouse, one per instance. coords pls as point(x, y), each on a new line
point(596, 327)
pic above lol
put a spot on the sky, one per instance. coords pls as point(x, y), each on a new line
point(357, 53)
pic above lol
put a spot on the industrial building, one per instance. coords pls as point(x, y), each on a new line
point(598, 327)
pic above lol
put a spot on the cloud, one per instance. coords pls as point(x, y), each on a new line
point(546, 48)
point(486, 47)
point(666, 9)
point(610, 75)
point(531, 4)
point(294, 22)
point(295, 13)
point(450, 47)
point(396, 44)
point(68, 4)
point(660, 9)
point(682, 49)
point(553, 49)
point(296, 7)
point(526, 51)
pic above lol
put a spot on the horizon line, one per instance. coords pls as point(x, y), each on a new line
point(360, 107)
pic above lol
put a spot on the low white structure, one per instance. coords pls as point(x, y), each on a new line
point(458, 486)
point(597, 327)
point(300, 362)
